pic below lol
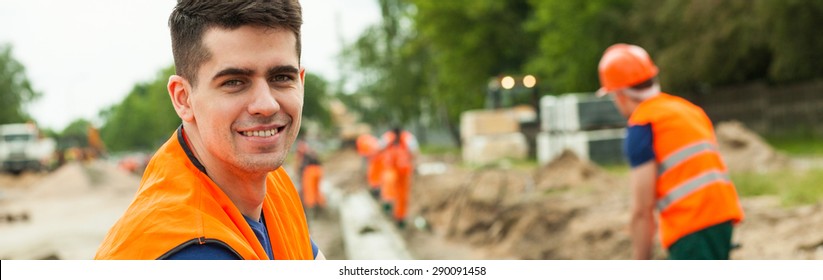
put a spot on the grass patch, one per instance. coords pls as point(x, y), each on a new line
point(439, 150)
point(798, 145)
point(617, 169)
point(793, 188)
point(806, 189)
point(752, 184)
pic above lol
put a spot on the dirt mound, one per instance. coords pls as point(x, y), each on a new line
point(771, 232)
point(22, 181)
point(75, 178)
point(743, 150)
point(575, 211)
point(569, 170)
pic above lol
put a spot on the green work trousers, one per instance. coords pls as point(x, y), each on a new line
point(711, 243)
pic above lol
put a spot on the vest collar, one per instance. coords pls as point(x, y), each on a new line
point(184, 143)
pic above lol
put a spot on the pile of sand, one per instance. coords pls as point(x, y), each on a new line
point(771, 231)
point(569, 170)
point(574, 211)
point(19, 182)
point(745, 151)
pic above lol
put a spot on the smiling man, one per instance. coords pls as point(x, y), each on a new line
point(216, 189)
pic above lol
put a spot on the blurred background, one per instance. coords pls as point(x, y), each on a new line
point(518, 159)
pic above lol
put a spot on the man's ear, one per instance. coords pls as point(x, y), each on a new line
point(180, 93)
point(303, 76)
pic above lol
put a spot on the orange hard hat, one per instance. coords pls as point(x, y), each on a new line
point(622, 66)
point(366, 144)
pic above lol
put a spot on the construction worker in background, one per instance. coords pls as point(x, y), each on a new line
point(398, 149)
point(96, 147)
point(311, 174)
point(301, 148)
point(367, 147)
point(217, 188)
point(676, 167)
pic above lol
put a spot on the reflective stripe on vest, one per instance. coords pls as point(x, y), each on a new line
point(696, 183)
point(684, 154)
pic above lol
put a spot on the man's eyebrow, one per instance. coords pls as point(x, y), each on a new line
point(283, 69)
point(233, 72)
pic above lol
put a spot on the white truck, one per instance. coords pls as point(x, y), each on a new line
point(22, 148)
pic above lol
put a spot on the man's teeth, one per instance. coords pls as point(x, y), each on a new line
point(260, 133)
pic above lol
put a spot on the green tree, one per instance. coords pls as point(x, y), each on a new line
point(144, 119)
point(470, 42)
point(571, 36)
point(314, 106)
point(440, 54)
point(699, 43)
point(15, 88)
point(435, 58)
point(392, 67)
point(793, 27)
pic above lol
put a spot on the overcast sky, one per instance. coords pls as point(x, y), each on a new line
point(85, 55)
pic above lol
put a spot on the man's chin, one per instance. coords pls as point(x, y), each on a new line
point(261, 164)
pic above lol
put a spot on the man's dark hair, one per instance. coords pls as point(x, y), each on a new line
point(191, 18)
point(644, 84)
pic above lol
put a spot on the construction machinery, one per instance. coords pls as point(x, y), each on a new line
point(507, 127)
point(22, 147)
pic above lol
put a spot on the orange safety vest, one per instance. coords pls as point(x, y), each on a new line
point(693, 189)
point(177, 205)
point(398, 155)
point(398, 165)
point(312, 196)
point(366, 145)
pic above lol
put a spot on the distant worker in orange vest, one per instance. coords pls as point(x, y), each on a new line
point(676, 167)
point(217, 188)
point(301, 148)
point(367, 148)
point(313, 200)
point(398, 149)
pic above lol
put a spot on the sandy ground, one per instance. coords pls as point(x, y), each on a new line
point(67, 213)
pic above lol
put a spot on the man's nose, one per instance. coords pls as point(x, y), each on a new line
point(263, 101)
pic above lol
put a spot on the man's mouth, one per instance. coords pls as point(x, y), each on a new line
point(262, 133)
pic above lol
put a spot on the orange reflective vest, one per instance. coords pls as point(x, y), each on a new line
point(398, 154)
point(366, 145)
point(177, 205)
point(693, 189)
point(312, 196)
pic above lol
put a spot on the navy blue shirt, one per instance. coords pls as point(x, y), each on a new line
point(217, 251)
point(638, 145)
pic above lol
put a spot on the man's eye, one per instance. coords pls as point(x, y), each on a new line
point(282, 78)
point(232, 83)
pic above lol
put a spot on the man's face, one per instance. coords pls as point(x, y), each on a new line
point(621, 101)
point(248, 99)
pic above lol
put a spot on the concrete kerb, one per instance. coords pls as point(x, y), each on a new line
point(367, 233)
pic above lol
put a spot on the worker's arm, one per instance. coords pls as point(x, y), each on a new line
point(642, 225)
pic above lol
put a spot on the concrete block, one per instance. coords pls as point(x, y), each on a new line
point(488, 122)
point(483, 149)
